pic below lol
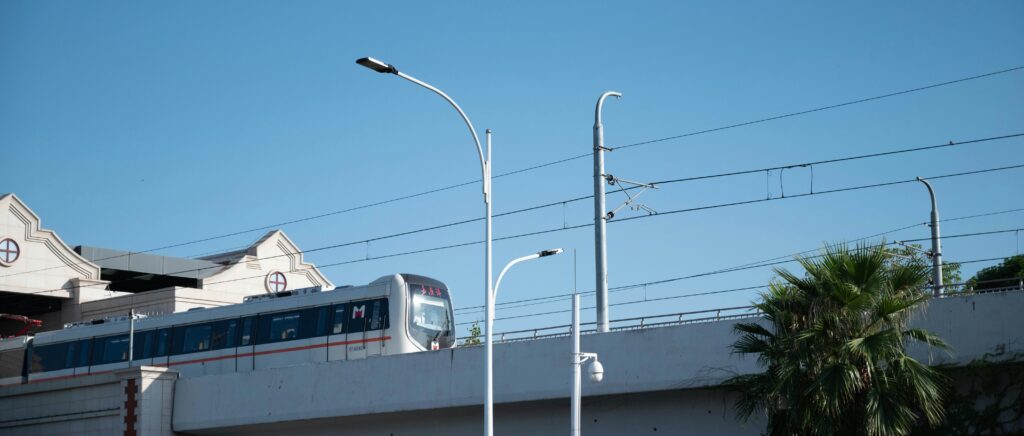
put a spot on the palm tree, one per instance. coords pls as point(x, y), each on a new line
point(832, 345)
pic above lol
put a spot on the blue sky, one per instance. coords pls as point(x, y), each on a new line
point(136, 125)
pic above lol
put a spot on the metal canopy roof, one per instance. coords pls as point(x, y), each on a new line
point(145, 263)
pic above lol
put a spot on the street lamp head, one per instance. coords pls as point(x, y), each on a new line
point(377, 65)
point(552, 252)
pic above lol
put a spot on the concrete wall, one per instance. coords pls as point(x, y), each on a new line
point(676, 412)
point(532, 380)
point(160, 301)
point(135, 401)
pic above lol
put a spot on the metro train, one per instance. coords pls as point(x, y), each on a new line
point(401, 313)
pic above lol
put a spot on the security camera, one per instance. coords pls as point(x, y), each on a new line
point(595, 371)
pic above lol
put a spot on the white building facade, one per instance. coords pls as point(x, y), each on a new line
point(44, 278)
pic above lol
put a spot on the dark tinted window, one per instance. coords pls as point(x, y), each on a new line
point(248, 333)
point(110, 349)
point(78, 354)
point(163, 342)
point(338, 324)
point(197, 337)
point(225, 334)
point(11, 362)
point(378, 316)
point(299, 324)
point(368, 315)
point(144, 344)
point(49, 357)
point(313, 322)
point(278, 327)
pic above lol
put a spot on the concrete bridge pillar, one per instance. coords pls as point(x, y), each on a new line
point(147, 400)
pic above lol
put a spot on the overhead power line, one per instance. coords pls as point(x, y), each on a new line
point(760, 264)
point(553, 312)
point(586, 197)
point(560, 229)
point(570, 158)
point(819, 109)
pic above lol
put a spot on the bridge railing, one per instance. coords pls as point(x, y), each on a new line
point(699, 316)
point(640, 322)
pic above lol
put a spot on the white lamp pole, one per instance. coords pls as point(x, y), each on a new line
point(485, 170)
point(489, 406)
point(596, 369)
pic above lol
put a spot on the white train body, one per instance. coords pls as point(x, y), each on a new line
point(397, 314)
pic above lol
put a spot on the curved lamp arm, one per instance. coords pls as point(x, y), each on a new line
point(382, 67)
point(540, 254)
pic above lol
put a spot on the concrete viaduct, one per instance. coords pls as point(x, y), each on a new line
point(658, 380)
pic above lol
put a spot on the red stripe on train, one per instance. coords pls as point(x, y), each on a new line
point(283, 350)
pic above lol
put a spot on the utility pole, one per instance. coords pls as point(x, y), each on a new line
point(936, 243)
point(600, 218)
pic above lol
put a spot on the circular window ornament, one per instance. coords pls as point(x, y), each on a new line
point(276, 282)
point(9, 251)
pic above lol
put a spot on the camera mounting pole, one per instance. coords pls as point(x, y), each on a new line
point(596, 370)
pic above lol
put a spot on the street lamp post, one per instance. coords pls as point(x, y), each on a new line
point(489, 383)
point(485, 170)
point(936, 242)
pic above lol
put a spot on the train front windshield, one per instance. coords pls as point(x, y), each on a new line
point(430, 316)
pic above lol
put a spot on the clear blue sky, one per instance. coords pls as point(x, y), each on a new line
point(136, 125)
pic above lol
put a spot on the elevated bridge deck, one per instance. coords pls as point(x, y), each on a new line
point(655, 378)
point(658, 380)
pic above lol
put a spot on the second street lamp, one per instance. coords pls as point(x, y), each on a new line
point(485, 169)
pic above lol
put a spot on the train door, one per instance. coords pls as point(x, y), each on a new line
point(78, 356)
point(142, 348)
point(376, 326)
point(161, 347)
point(246, 343)
point(224, 342)
point(356, 328)
point(337, 339)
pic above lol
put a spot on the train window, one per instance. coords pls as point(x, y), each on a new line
point(163, 337)
point(277, 327)
point(247, 331)
point(83, 352)
point(49, 357)
point(313, 322)
point(338, 326)
point(323, 320)
point(225, 334)
point(197, 337)
point(110, 349)
point(378, 316)
point(143, 345)
point(357, 317)
point(368, 315)
point(10, 362)
point(77, 354)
